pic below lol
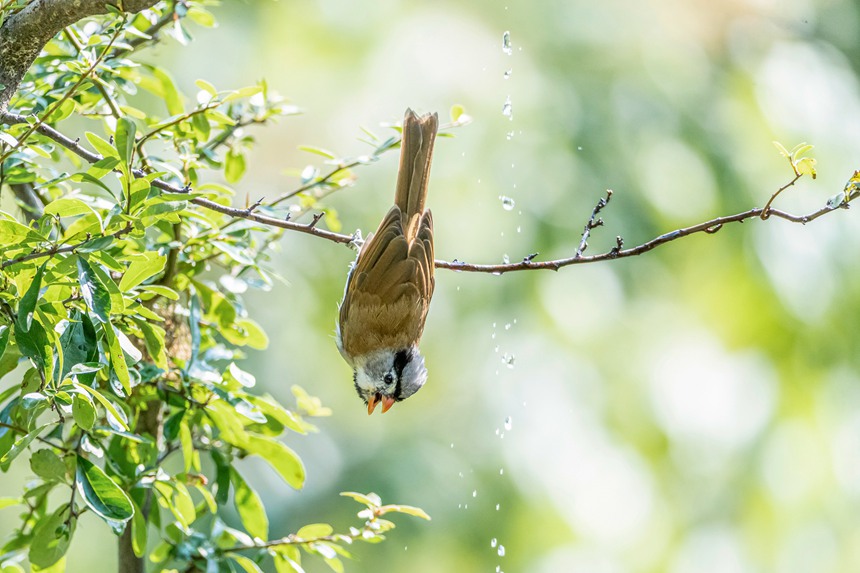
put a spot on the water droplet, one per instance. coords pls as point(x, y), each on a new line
point(508, 423)
point(506, 43)
point(498, 431)
point(494, 542)
point(405, 548)
point(507, 109)
point(579, 148)
point(508, 326)
point(501, 471)
point(508, 204)
point(498, 506)
point(508, 359)
point(498, 569)
point(452, 445)
point(474, 493)
point(461, 474)
point(519, 230)
point(506, 259)
point(508, 73)
point(501, 550)
point(466, 506)
point(496, 349)
point(509, 135)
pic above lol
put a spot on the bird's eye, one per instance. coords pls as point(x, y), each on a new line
point(388, 379)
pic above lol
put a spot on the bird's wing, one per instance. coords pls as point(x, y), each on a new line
point(388, 292)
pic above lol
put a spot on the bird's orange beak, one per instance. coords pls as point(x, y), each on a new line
point(387, 403)
point(371, 404)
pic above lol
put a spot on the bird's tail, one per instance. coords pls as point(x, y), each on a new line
point(416, 152)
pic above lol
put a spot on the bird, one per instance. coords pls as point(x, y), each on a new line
point(390, 284)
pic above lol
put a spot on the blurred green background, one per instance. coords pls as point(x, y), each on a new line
point(693, 410)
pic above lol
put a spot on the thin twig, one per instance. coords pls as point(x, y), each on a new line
point(592, 223)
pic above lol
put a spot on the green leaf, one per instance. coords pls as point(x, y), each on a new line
point(9, 501)
point(153, 338)
point(95, 294)
point(47, 465)
point(142, 267)
point(407, 509)
point(68, 207)
point(806, 166)
point(124, 139)
point(318, 151)
point(280, 457)
point(207, 87)
point(250, 507)
point(117, 358)
point(370, 499)
point(83, 411)
point(28, 302)
point(172, 97)
point(78, 343)
point(234, 166)
point(245, 563)
point(100, 145)
point(246, 332)
point(4, 339)
point(21, 444)
point(117, 416)
point(314, 530)
point(138, 531)
point(51, 537)
point(285, 564)
point(101, 494)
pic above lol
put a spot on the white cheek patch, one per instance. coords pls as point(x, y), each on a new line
point(363, 381)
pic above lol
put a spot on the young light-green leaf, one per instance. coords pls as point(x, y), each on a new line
point(101, 493)
point(141, 268)
point(117, 358)
point(250, 507)
point(124, 139)
point(283, 459)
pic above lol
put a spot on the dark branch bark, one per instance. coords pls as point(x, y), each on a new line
point(25, 33)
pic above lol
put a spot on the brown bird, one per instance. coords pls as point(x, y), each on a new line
point(389, 286)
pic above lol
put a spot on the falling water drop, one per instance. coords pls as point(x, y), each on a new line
point(508, 359)
point(501, 551)
point(498, 506)
point(509, 135)
point(508, 326)
point(508, 204)
point(507, 109)
point(506, 259)
point(508, 74)
point(501, 471)
point(506, 43)
point(474, 493)
point(508, 423)
point(494, 542)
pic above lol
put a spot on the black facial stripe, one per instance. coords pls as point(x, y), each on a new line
point(401, 359)
point(355, 383)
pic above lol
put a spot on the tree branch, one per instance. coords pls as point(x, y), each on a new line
point(25, 33)
point(527, 264)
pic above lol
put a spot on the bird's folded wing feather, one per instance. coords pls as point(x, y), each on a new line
point(389, 289)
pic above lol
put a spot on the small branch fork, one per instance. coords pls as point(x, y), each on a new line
point(526, 264)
